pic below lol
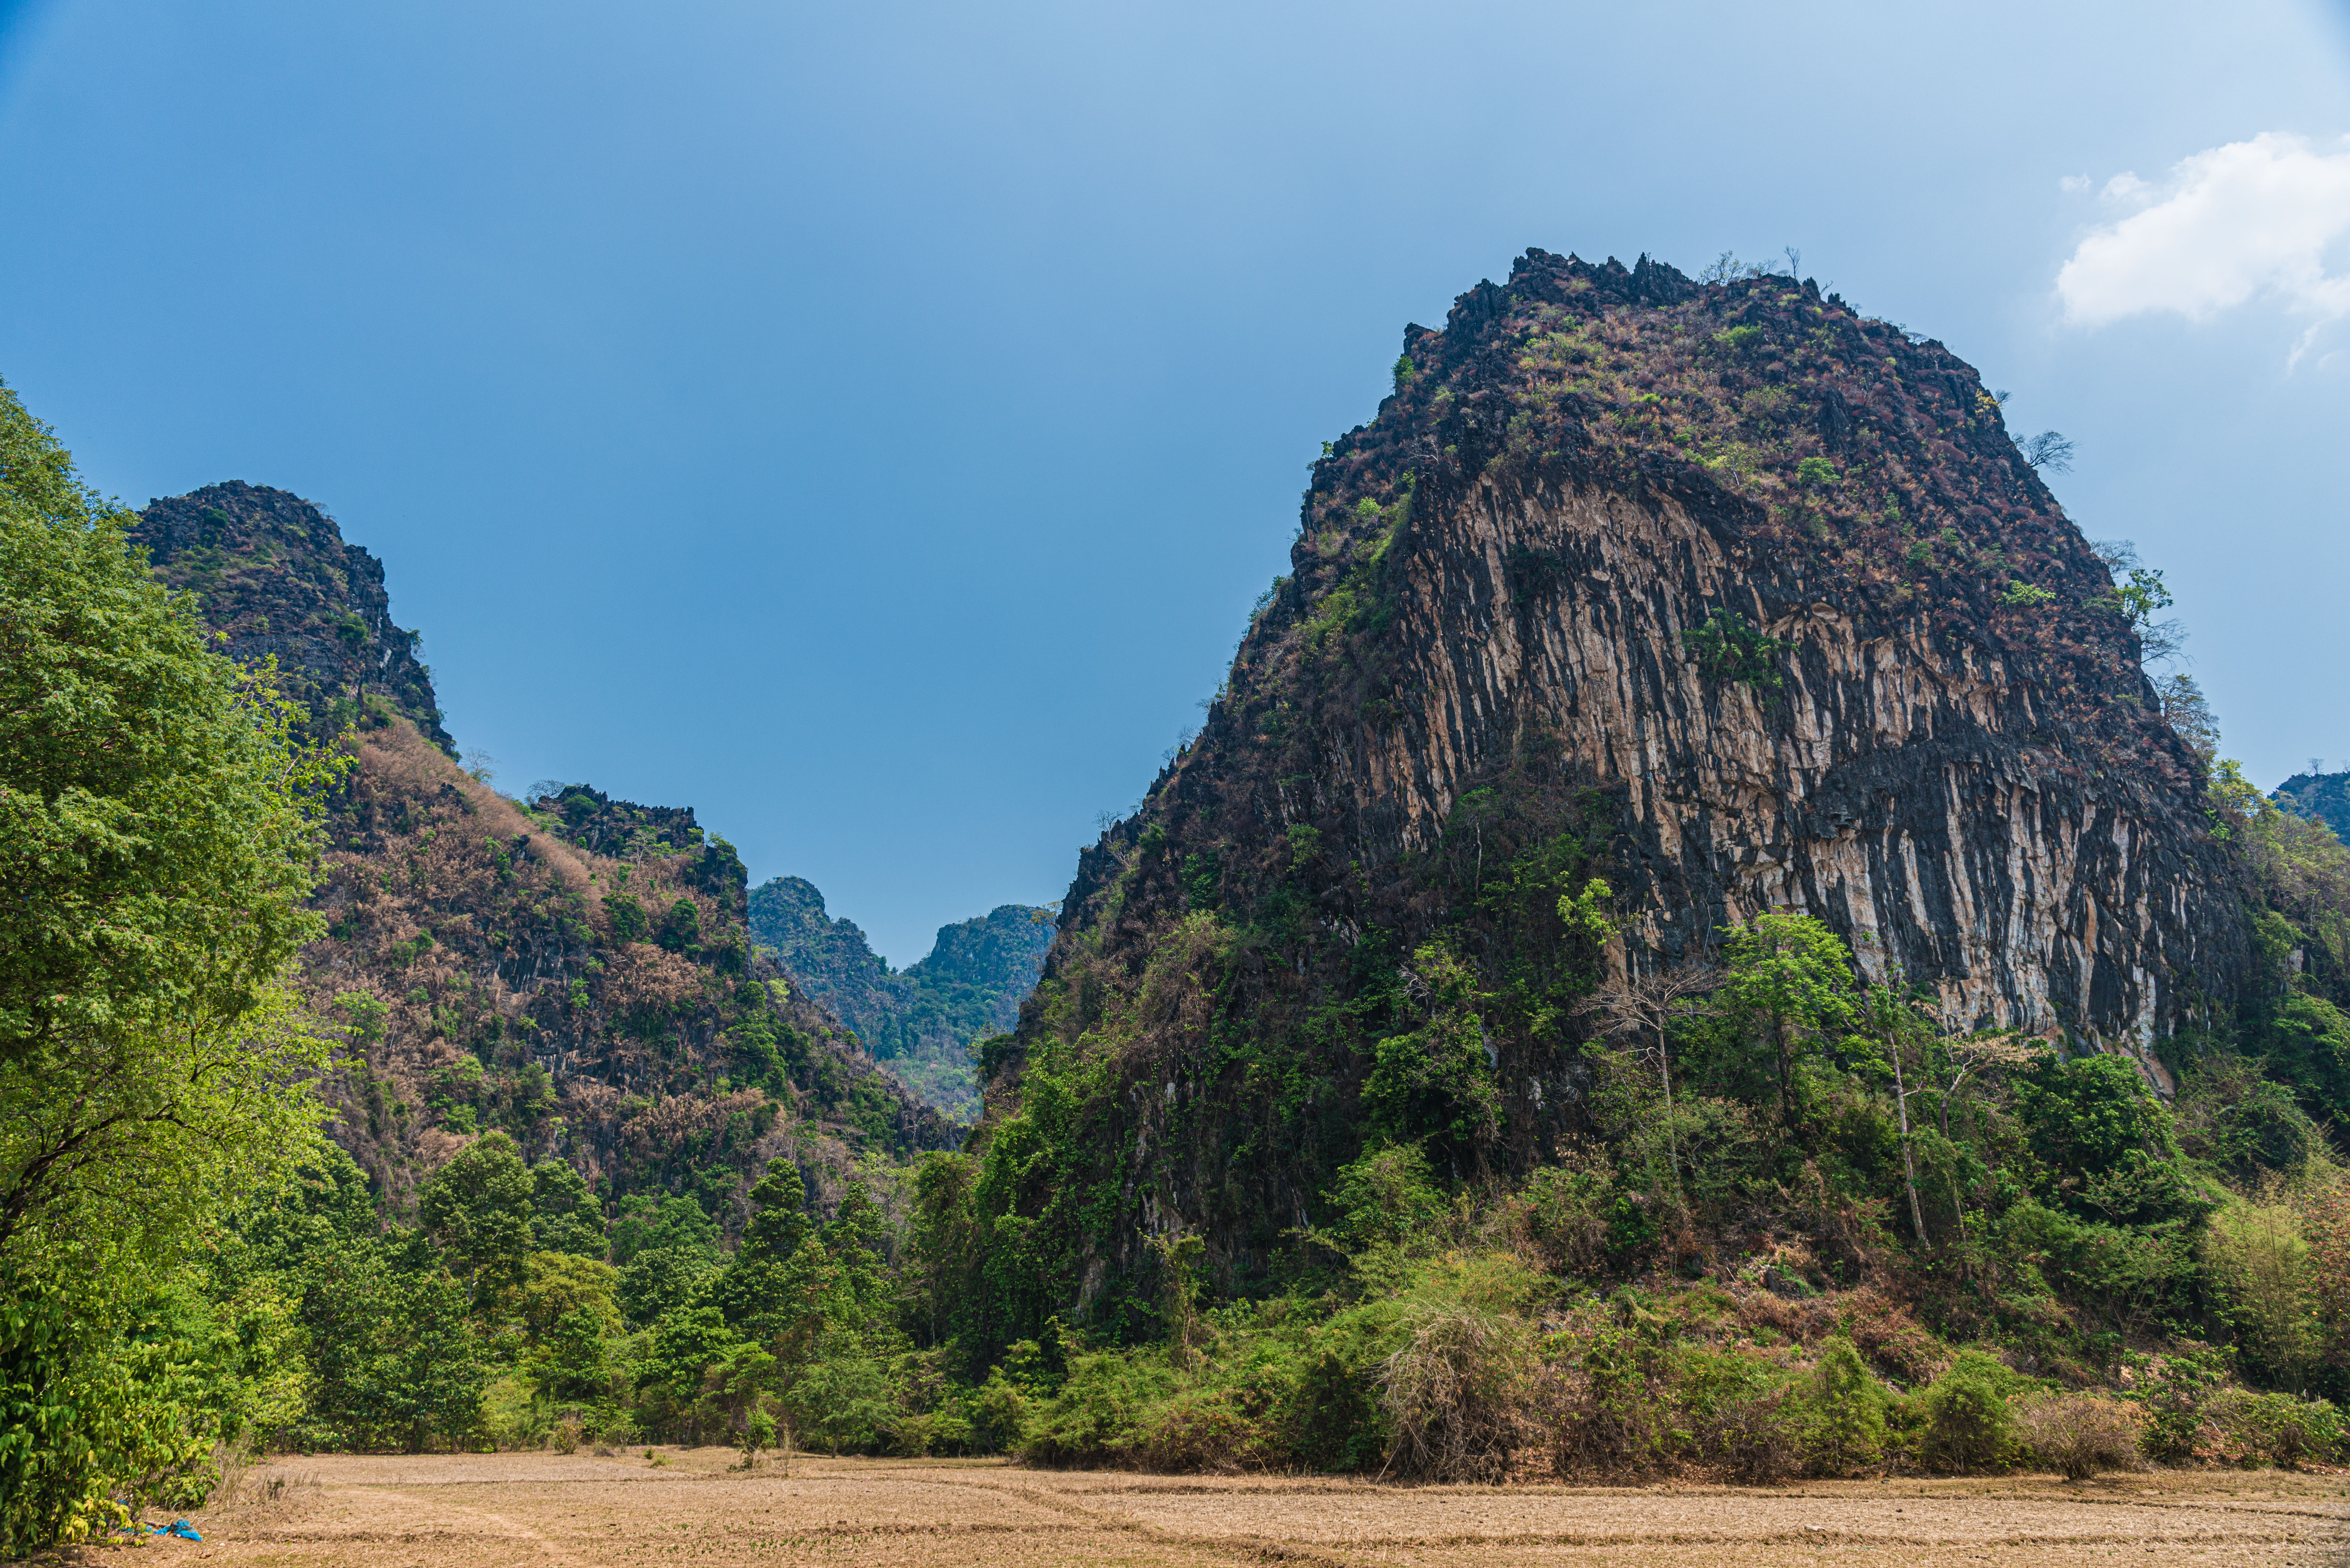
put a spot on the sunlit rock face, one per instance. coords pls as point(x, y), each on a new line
point(1925, 791)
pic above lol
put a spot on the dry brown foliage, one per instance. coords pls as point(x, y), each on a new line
point(1803, 1320)
point(1889, 1335)
point(1462, 1393)
point(1168, 1014)
point(2077, 1435)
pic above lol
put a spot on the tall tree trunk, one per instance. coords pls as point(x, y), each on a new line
point(1672, 1128)
point(1908, 1159)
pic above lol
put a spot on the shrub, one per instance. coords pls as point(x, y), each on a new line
point(1199, 1429)
point(1609, 1412)
point(1739, 1413)
point(2242, 1427)
point(1389, 1196)
point(1459, 1392)
point(1562, 1214)
point(1759, 1436)
point(1337, 1419)
point(1092, 1418)
point(1845, 1431)
point(1728, 648)
point(2257, 1256)
point(1967, 1427)
point(998, 1415)
point(2077, 1435)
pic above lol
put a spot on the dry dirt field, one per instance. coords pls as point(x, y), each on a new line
point(546, 1511)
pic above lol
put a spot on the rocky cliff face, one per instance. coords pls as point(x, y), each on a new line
point(275, 574)
point(1724, 593)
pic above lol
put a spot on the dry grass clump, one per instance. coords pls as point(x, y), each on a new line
point(1461, 1392)
point(1891, 1337)
point(248, 1484)
point(2078, 1434)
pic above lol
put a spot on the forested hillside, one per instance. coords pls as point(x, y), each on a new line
point(574, 972)
point(925, 1021)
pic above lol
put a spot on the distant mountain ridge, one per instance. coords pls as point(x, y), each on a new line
point(2325, 796)
point(921, 1020)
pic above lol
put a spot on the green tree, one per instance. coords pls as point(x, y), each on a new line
point(659, 1279)
point(1436, 1082)
point(564, 1214)
point(1788, 980)
point(392, 1348)
point(1891, 1033)
point(685, 1343)
point(477, 1209)
point(778, 1221)
point(158, 845)
point(648, 1221)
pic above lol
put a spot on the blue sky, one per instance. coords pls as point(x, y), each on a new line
point(869, 425)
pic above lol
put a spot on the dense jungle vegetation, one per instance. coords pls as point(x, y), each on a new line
point(1803, 1228)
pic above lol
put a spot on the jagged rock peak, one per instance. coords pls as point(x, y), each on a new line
point(274, 571)
point(1754, 591)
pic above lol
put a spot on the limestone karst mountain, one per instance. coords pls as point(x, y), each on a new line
point(1724, 595)
point(924, 1019)
point(575, 970)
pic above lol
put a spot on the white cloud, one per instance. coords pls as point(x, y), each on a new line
point(2249, 219)
point(2074, 185)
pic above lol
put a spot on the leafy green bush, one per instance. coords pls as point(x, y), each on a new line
point(1094, 1416)
point(2239, 1426)
point(1967, 1428)
point(1613, 1411)
point(1844, 1410)
point(1730, 648)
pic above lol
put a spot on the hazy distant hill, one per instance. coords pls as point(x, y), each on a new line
point(922, 1020)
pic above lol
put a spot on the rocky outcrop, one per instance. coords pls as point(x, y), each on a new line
point(1772, 579)
point(274, 572)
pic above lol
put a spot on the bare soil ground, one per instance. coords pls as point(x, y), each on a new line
point(547, 1510)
